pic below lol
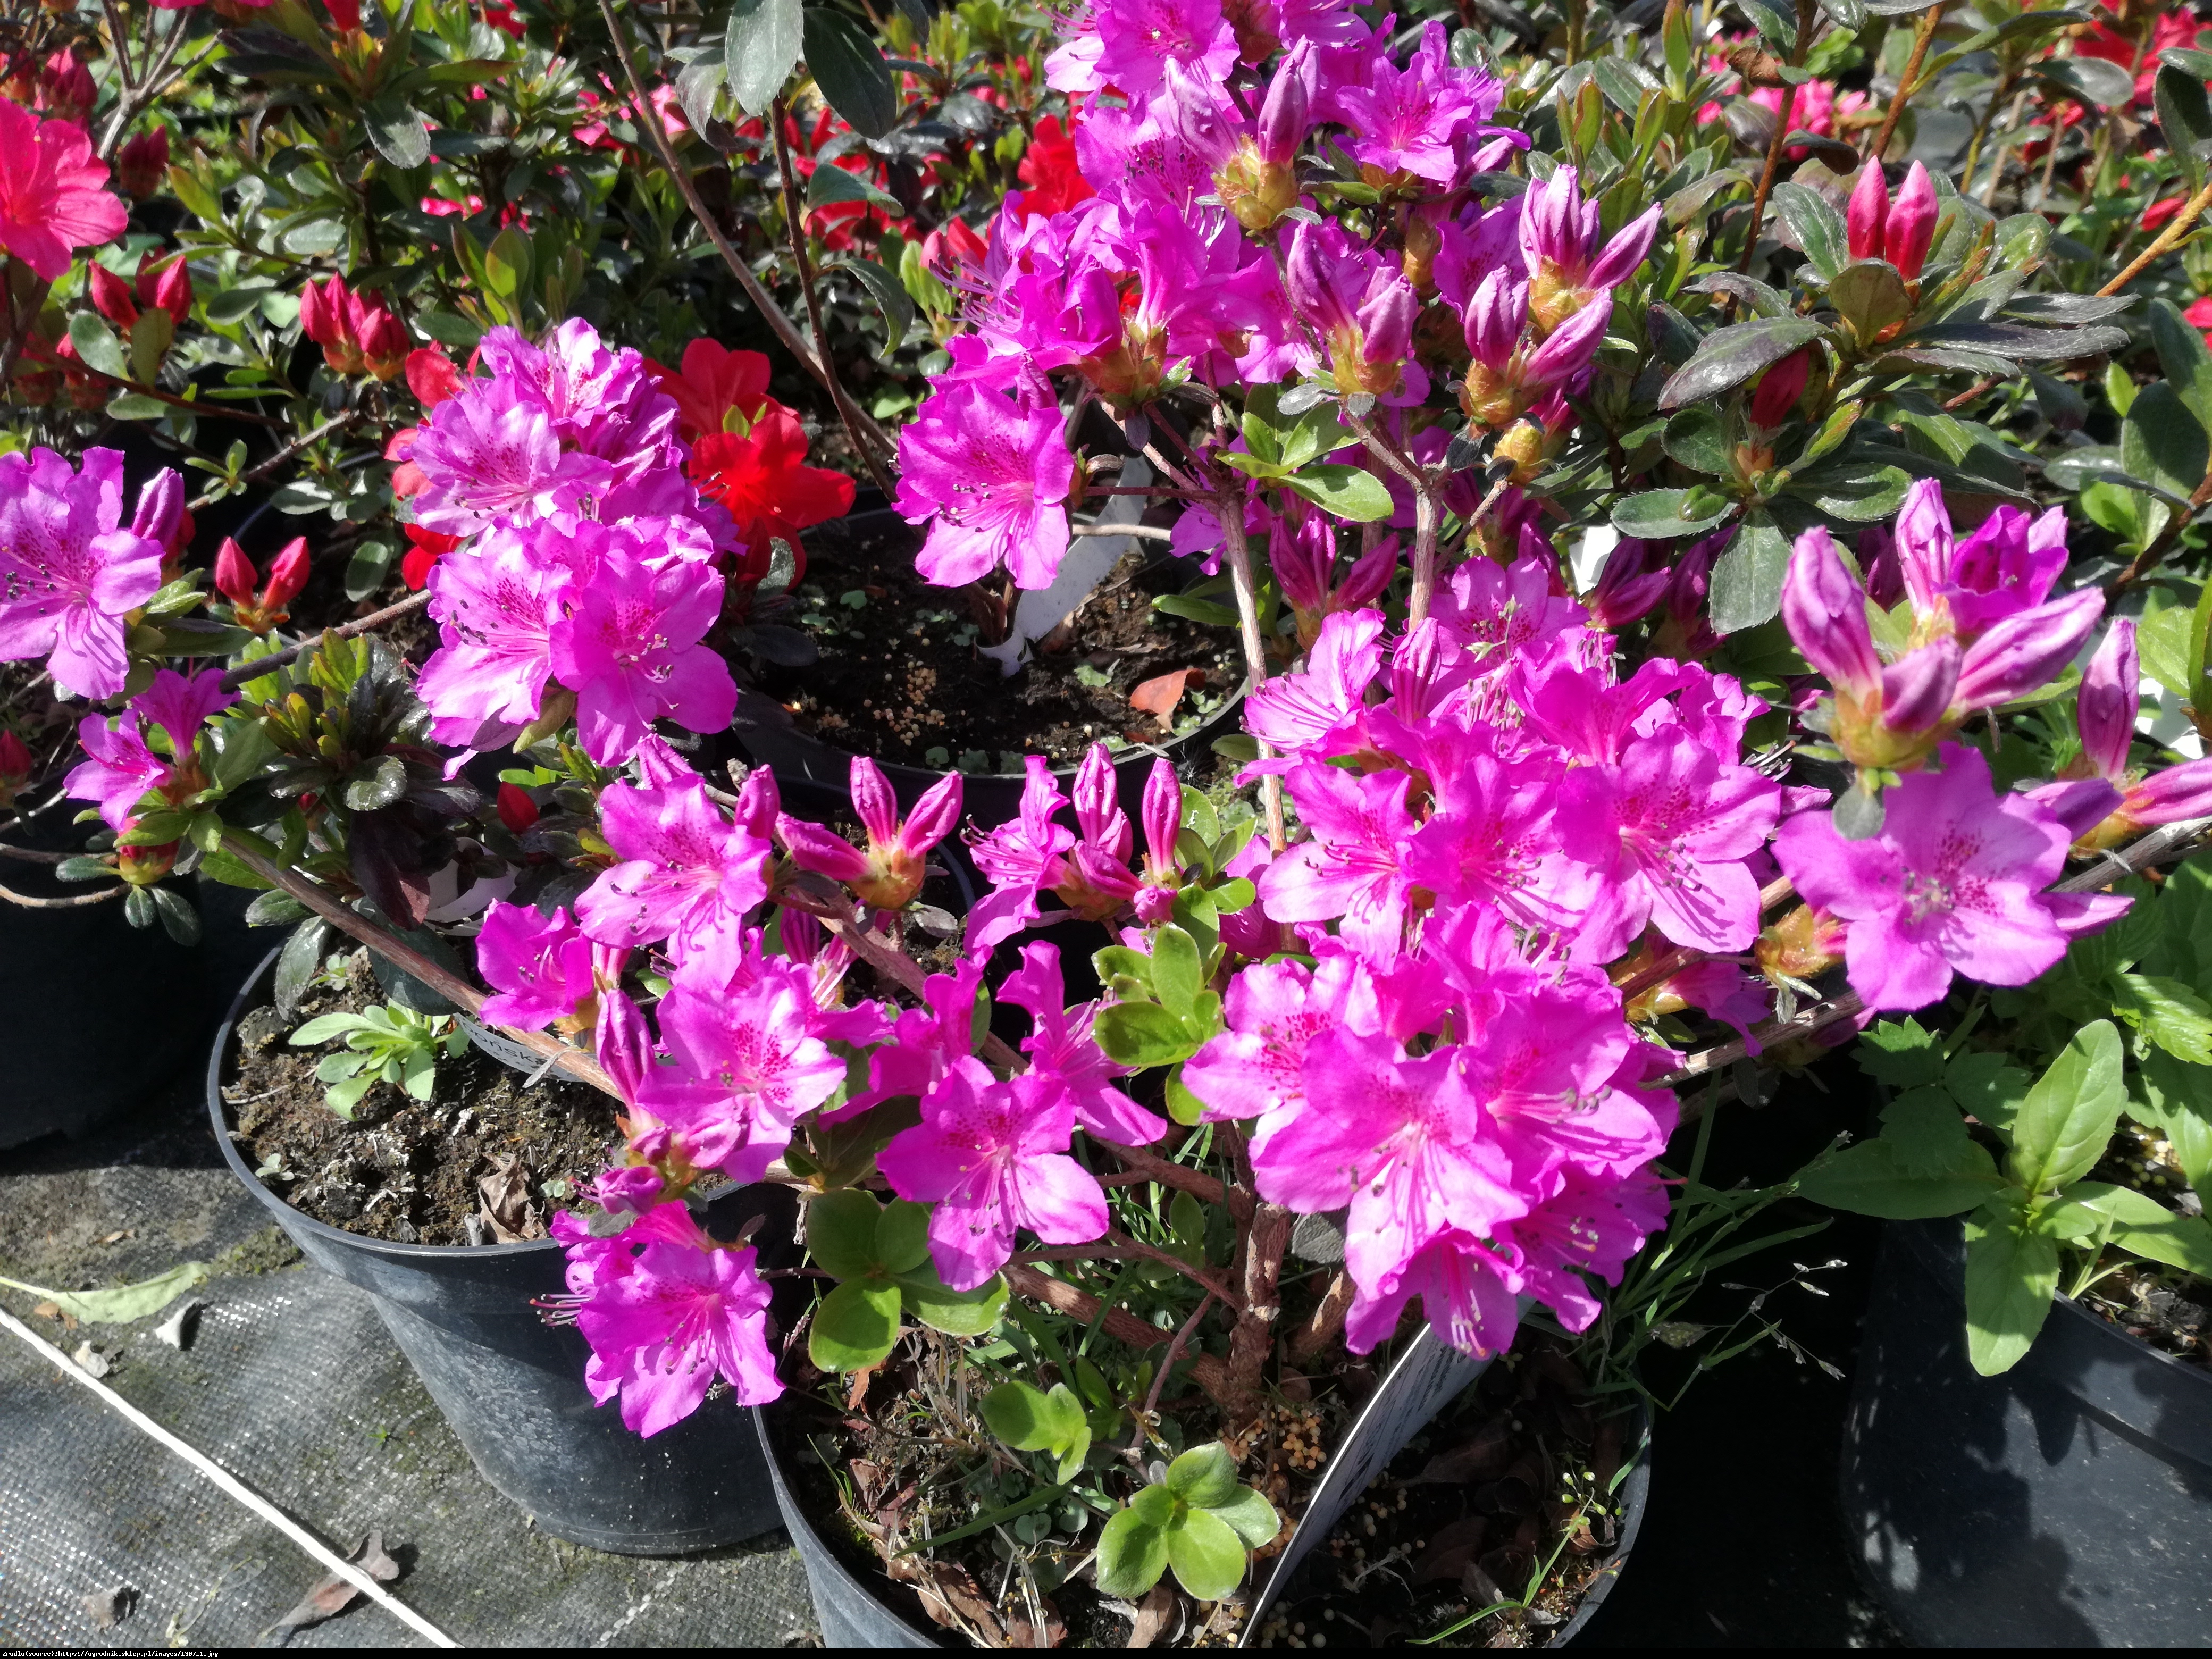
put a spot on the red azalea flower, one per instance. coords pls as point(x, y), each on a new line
point(761, 478)
point(429, 547)
point(2102, 40)
point(2199, 315)
point(1051, 180)
point(718, 389)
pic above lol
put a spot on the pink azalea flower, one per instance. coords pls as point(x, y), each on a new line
point(495, 603)
point(1570, 263)
point(1273, 1011)
point(745, 1070)
point(120, 768)
point(1467, 1285)
point(629, 647)
point(1320, 709)
point(991, 1157)
point(991, 475)
point(53, 193)
point(1361, 307)
point(485, 456)
point(1019, 860)
point(686, 876)
point(2104, 711)
point(1062, 1051)
point(1493, 839)
point(540, 965)
point(1587, 1227)
point(1951, 883)
point(924, 1041)
point(68, 574)
point(1353, 867)
point(1129, 43)
point(665, 1324)
point(1424, 120)
point(890, 873)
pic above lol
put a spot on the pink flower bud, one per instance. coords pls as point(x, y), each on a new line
point(1098, 813)
point(1624, 589)
point(1916, 689)
point(111, 297)
point(812, 848)
point(2023, 652)
point(1910, 227)
point(2168, 797)
point(624, 1044)
point(933, 815)
point(235, 578)
point(1868, 212)
point(167, 287)
point(14, 761)
point(161, 517)
point(1885, 580)
point(346, 14)
point(288, 574)
point(1285, 114)
point(143, 163)
point(874, 803)
point(1825, 614)
point(1779, 389)
point(1162, 814)
point(2104, 710)
point(759, 803)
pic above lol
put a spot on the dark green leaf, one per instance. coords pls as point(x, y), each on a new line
point(760, 44)
point(367, 570)
point(1694, 438)
point(1734, 354)
point(381, 784)
point(1925, 1131)
point(397, 132)
point(890, 294)
point(1177, 973)
point(1818, 229)
point(2167, 1011)
point(297, 963)
point(1660, 515)
point(2178, 1098)
point(1870, 1179)
point(97, 346)
point(1869, 295)
point(2186, 359)
point(178, 920)
point(2162, 443)
point(1747, 580)
point(1350, 492)
point(832, 184)
point(956, 1313)
point(849, 68)
point(2185, 117)
point(840, 1234)
point(2143, 1224)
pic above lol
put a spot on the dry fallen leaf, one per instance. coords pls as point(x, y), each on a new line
point(335, 1594)
point(505, 1201)
point(1152, 1615)
point(119, 1236)
point(1158, 696)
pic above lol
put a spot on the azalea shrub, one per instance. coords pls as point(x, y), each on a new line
point(1714, 579)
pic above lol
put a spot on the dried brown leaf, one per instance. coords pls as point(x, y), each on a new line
point(1153, 1614)
point(1158, 696)
point(335, 1594)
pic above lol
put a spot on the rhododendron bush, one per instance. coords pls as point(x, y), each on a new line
point(1712, 578)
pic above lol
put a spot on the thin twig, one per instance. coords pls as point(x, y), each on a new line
point(31, 854)
point(1205, 1282)
point(1780, 142)
point(1922, 35)
point(772, 313)
point(208, 497)
point(1230, 507)
point(1149, 532)
point(1146, 1416)
point(73, 902)
point(1205, 1369)
point(291, 653)
point(444, 981)
point(2182, 223)
point(795, 228)
point(1182, 1177)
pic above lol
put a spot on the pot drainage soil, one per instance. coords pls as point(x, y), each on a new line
point(899, 677)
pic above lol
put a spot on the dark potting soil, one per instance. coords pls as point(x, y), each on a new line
point(900, 678)
point(487, 1145)
point(2163, 1306)
point(1518, 1474)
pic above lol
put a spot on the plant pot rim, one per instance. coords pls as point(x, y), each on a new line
point(1918, 1237)
point(247, 999)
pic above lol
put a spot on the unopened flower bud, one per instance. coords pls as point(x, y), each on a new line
point(2105, 708)
point(1868, 212)
point(167, 287)
point(234, 575)
point(516, 808)
point(14, 766)
point(874, 803)
point(385, 343)
point(111, 297)
point(1779, 389)
point(1286, 113)
point(933, 815)
point(143, 163)
point(1910, 227)
point(288, 574)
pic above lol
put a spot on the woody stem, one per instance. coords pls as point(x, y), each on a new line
point(1230, 506)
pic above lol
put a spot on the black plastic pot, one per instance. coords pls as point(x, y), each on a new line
point(109, 1010)
point(853, 1613)
point(512, 1387)
point(2067, 1502)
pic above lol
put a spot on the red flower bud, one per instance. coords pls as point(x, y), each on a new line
point(346, 14)
point(14, 761)
point(1912, 224)
point(167, 286)
point(385, 343)
point(327, 317)
point(288, 574)
point(1868, 213)
point(112, 298)
point(234, 575)
point(516, 809)
point(431, 376)
point(143, 163)
point(1779, 389)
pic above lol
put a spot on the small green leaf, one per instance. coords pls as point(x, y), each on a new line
point(1178, 975)
point(325, 1027)
point(841, 1229)
point(1869, 297)
point(1818, 227)
point(1660, 515)
point(889, 293)
point(97, 346)
point(854, 1326)
point(1350, 492)
point(397, 132)
point(760, 44)
point(1925, 1130)
point(956, 1313)
point(1206, 1554)
point(2012, 1273)
point(1142, 1034)
point(2185, 358)
point(381, 784)
point(1746, 588)
point(2167, 1011)
point(1870, 1179)
point(2163, 443)
point(903, 1237)
point(2068, 1115)
point(1205, 1476)
point(1133, 1553)
point(1694, 438)
point(126, 1302)
point(2143, 1224)
point(1250, 1516)
point(832, 184)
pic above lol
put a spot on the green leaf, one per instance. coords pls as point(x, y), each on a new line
point(2184, 118)
point(2012, 1273)
point(1206, 1554)
point(178, 920)
point(2069, 1114)
point(854, 1326)
point(2183, 357)
point(2181, 1103)
point(903, 1237)
point(126, 1302)
point(1350, 492)
point(1142, 1034)
point(149, 343)
point(1746, 588)
point(2167, 1011)
point(508, 264)
point(1660, 514)
point(368, 569)
point(325, 1027)
point(342, 1098)
point(1250, 1516)
point(1818, 227)
point(2162, 645)
point(1986, 1087)
point(1870, 1179)
point(832, 184)
point(1178, 975)
point(1133, 1553)
point(1925, 1132)
point(841, 1233)
point(379, 786)
point(398, 133)
point(956, 1313)
point(1869, 295)
point(1205, 1476)
point(890, 294)
point(1028, 1421)
point(760, 44)
point(1732, 355)
point(1694, 438)
point(849, 68)
point(1900, 1052)
point(2143, 1225)
point(297, 963)
point(2162, 443)
point(97, 346)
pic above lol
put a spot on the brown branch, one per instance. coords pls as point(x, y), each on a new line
point(764, 302)
point(208, 497)
point(219, 411)
point(1253, 1338)
point(2182, 223)
point(1923, 34)
point(1780, 142)
point(408, 960)
point(291, 653)
point(1205, 1281)
point(795, 228)
point(1151, 1166)
point(1326, 1321)
point(31, 856)
point(74, 901)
